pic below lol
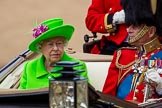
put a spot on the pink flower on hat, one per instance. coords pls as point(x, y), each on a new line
point(39, 30)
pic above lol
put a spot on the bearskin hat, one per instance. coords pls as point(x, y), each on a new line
point(146, 12)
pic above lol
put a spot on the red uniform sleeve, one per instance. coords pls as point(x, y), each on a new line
point(95, 19)
point(95, 16)
point(110, 85)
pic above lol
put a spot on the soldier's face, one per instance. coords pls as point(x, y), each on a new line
point(133, 31)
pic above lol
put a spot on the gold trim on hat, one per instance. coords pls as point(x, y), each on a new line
point(153, 6)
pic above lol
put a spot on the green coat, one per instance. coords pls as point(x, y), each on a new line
point(35, 74)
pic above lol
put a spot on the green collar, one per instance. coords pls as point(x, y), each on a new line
point(41, 70)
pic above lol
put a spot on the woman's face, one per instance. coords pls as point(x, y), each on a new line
point(53, 49)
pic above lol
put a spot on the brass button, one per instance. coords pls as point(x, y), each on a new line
point(136, 90)
point(135, 98)
point(137, 83)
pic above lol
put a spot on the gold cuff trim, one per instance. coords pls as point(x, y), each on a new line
point(105, 20)
point(109, 27)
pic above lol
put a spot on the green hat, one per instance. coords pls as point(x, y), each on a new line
point(49, 29)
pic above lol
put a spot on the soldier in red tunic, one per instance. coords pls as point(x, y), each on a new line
point(107, 17)
point(135, 73)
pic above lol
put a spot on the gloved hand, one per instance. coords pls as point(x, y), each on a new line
point(152, 77)
point(119, 17)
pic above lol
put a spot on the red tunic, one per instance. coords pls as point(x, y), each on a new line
point(111, 84)
point(95, 19)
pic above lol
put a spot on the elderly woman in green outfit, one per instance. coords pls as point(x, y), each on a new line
point(51, 37)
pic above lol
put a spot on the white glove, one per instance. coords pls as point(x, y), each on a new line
point(153, 77)
point(119, 17)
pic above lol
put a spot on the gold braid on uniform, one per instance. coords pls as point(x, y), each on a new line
point(123, 67)
point(140, 34)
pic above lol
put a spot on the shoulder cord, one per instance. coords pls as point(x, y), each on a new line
point(120, 66)
point(123, 67)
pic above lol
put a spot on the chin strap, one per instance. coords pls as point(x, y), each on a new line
point(140, 34)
